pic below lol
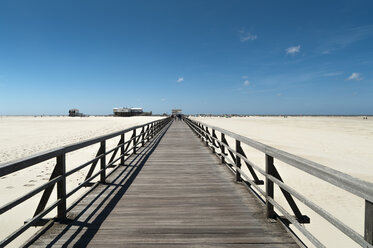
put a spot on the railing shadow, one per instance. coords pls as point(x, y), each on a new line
point(107, 199)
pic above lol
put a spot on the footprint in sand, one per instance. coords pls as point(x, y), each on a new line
point(9, 187)
point(3, 177)
point(31, 181)
point(29, 185)
point(39, 175)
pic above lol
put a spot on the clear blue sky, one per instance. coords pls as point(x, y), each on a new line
point(254, 57)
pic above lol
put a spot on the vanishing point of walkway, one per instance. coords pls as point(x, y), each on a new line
point(173, 193)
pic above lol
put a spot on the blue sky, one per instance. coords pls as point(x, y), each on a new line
point(245, 57)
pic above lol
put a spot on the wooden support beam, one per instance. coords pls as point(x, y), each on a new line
point(115, 151)
point(213, 141)
point(61, 187)
point(103, 162)
point(304, 219)
point(93, 166)
point(46, 194)
point(142, 136)
point(270, 213)
point(238, 162)
point(253, 173)
point(206, 136)
point(122, 149)
point(134, 141)
point(222, 148)
point(368, 226)
point(230, 153)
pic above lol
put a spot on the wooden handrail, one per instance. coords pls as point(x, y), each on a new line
point(346, 182)
point(15, 165)
point(60, 174)
point(355, 186)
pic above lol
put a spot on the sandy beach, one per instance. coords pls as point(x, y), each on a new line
point(342, 143)
point(23, 136)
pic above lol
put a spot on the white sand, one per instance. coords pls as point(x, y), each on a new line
point(24, 136)
point(342, 143)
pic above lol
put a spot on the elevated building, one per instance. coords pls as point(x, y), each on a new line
point(176, 112)
point(130, 112)
point(75, 112)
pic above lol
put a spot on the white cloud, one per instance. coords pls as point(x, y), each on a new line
point(245, 77)
point(163, 99)
point(354, 76)
point(245, 36)
point(327, 51)
point(180, 79)
point(293, 50)
point(246, 83)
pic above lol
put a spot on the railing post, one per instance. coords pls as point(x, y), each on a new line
point(134, 141)
point(368, 229)
point(270, 169)
point(238, 161)
point(122, 149)
point(61, 186)
point(213, 141)
point(206, 135)
point(149, 132)
point(142, 136)
point(222, 148)
point(103, 162)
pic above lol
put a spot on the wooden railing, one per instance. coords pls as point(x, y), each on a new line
point(147, 132)
point(234, 157)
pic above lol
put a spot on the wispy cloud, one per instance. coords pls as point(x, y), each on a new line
point(180, 79)
point(344, 37)
point(293, 50)
point(163, 99)
point(333, 74)
point(354, 76)
point(246, 83)
point(246, 36)
point(245, 77)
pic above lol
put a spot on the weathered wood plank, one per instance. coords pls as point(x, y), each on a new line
point(177, 195)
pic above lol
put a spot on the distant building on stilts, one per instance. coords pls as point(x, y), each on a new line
point(126, 112)
point(75, 112)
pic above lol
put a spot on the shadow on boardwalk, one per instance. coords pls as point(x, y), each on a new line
point(106, 197)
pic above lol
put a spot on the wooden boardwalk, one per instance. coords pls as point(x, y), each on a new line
point(174, 193)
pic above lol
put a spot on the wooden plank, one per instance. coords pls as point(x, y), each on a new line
point(162, 199)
